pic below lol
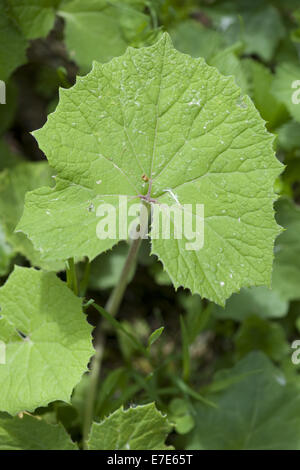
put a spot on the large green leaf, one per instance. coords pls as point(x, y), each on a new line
point(14, 183)
point(48, 341)
point(30, 433)
point(158, 112)
point(35, 18)
point(260, 411)
point(101, 29)
point(140, 428)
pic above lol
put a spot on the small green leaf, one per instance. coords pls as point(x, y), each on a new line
point(184, 424)
point(181, 415)
point(155, 335)
point(48, 341)
point(31, 433)
point(101, 30)
point(260, 411)
point(140, 428)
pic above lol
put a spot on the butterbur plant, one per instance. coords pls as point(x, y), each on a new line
point(155, 156)
point(159, 113)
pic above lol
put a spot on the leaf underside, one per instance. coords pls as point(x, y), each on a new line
point(159, 112)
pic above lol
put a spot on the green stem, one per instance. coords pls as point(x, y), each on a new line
point(115, 299)
point(111, 308)
point(92, 390)
point(69, 275)
point(86, 277)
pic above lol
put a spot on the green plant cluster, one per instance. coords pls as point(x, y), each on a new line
point(118, 344)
